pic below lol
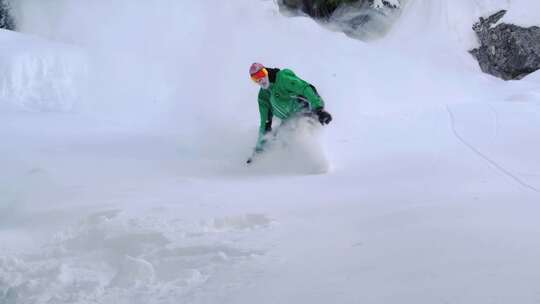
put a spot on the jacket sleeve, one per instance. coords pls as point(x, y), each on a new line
point(302, 88)
point(265, 111)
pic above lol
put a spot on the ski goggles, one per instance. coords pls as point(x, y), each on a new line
point(262, 73)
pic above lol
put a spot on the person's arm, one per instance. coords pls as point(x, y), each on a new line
point(294, 84)
point(265, 111)
point(315, 101)
point(302, 88)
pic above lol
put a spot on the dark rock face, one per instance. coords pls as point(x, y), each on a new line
point(6, 21)
point(323, 9)
point(360, 19)
point(506, 50)
point(320, 9)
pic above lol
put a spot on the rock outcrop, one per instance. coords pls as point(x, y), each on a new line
point(325, 8)
point(321, 9)
point(361, 19)
point(6, 21)
point(507, 51)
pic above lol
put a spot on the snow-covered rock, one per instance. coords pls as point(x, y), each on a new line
point(361, 19)
point(507, 51)
point(325, 8)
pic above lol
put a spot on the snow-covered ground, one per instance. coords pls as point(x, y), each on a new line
point(123, 142)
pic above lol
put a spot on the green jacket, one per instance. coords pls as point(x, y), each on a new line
point(286, 97)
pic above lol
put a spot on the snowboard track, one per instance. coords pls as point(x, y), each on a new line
point(476, 151)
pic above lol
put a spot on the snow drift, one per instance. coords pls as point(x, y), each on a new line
point(38, 75)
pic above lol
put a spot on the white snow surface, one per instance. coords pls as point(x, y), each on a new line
point(38, 75)
point(125, 126)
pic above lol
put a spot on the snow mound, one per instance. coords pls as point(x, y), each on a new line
point(37, 75)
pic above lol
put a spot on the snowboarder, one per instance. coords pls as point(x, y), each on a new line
point(286, 96)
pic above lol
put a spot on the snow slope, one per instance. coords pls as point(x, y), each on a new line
point(38, 75)
point(129, 185)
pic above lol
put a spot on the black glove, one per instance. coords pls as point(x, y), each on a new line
point(324, 117)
